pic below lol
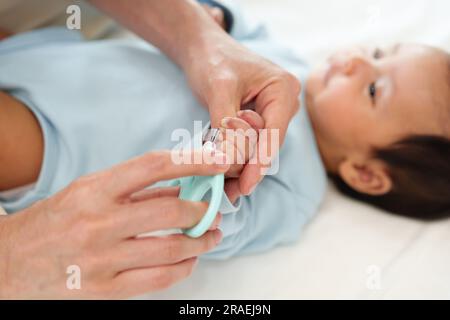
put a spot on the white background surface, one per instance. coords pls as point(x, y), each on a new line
point(349, 245)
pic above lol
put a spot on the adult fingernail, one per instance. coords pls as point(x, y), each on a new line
point(217, 236)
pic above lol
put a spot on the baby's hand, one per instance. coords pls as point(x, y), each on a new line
point(239, 139)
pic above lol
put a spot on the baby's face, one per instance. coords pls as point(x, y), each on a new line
point(368, 97)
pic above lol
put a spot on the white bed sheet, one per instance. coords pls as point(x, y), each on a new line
point(350, 250)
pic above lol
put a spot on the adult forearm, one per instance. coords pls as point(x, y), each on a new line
point(180, 28)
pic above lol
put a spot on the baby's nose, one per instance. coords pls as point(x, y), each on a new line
point(347, 64)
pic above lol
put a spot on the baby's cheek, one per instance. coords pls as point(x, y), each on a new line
point(334, 115)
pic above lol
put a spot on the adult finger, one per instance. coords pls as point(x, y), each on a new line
point(155, 251)
point(138, 281)
point(154, 215)
point(138, 173)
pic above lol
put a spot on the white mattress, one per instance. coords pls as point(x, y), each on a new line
point(350, 250)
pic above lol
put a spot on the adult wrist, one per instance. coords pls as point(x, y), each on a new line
point(204, 48)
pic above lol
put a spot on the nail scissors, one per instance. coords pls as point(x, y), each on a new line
point(195, 188)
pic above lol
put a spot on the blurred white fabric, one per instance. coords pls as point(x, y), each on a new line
point(350, 250)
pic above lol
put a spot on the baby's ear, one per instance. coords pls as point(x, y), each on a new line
point(368, 176)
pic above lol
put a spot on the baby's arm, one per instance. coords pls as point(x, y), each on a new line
point(21, 143)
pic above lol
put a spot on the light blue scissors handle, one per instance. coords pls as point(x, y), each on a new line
point(194, 189)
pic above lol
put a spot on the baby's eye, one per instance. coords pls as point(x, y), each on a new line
point(373, 91)
point(377, 53)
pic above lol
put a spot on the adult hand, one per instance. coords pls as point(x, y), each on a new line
point(226, 76)
point(93, 224)
point(223, 73)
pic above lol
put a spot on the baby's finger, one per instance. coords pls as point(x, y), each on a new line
point(234, 157)
point(252, 118)
point(244, 138)
point(235, 123)
point(145, 170)
point(227, 147)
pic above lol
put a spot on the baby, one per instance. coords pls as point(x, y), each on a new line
point(375, 120)
point(381, 121)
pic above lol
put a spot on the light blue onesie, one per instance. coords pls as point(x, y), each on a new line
point(102, 102)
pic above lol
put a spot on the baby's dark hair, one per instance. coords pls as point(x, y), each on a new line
point(419, 166)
